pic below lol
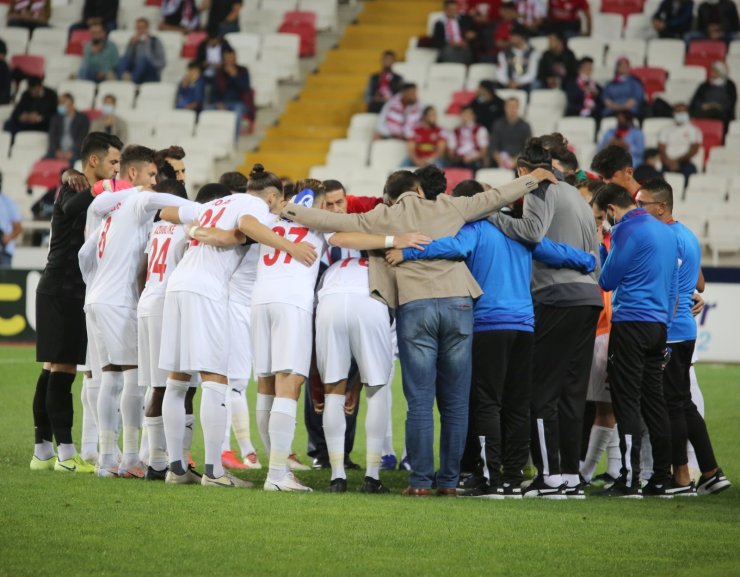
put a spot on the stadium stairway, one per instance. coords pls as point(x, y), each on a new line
point(330, 96)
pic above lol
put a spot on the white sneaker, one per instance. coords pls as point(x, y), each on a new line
point(295, 465)
point(188, 478)
point(289, 483)
point(225, 480)
point(252, 461)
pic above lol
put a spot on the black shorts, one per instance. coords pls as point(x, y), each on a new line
point(61, 335)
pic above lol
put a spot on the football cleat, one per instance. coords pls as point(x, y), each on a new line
point(231, 461)
point(288, 484)
point(225, 480)
point(137, 471)
point(190, 477)
point(252, 461)
point(388, 462)
point(539, 489)
point(74, 465)
point(43, 464)
point(155, 475)
point(294, 463)
point(338, 485)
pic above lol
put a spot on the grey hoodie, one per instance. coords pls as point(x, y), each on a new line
point(559, 212)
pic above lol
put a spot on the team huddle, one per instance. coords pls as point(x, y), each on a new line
point(150, 294)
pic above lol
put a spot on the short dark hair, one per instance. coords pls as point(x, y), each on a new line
point(171, 186)
point(467, 188)
point(34, 81)
point(69, 96)
point(389, 53)
point(610, 160)
point(194, 64)
point(593, 186)
point(650, 152)
point(289, 190)
point(407, 86)
point(211, 191)
point(432, 180)
point(399, 182)
point(612, 194)
point(135, 153)
point(111, 96)
point(585, 60)
point(332, 185)
point(535, 155)
point(234, 181)
point(165, 171)
point(260, 180)
point(520, 30)
point(173, 151)
point(98, 143)
point(569, 160)
point(661, 191)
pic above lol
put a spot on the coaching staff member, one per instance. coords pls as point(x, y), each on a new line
point(61, 341)
point(434, 304)
point(642, 272)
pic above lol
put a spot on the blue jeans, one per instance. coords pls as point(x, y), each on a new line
point(435, 343)
point(141, 69)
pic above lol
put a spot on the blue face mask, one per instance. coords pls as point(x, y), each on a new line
point(62, 110)
point(107, 109)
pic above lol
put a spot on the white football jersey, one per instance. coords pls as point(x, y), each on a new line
point(121, 243)
point(243, 279)
point(349, 274)
point(205, 269)
point(166, 247)
point(282, 279)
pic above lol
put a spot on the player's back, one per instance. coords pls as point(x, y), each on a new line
point(683, 327)
point(347, 273)
point(244, 277)
point(166, 247)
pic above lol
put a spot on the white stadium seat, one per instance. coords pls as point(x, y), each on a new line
point(414, 73)
point(478, 72)
point(48, 41)
point(16, 39)
point(588, 46)
point(322, 172)
point(123, 90)
point(723, 235)
point(176, 124)
point(422, 57)
point(709, 187)
point(140, 123)
point(327, 14)
point(639, 26)
point(447, 74)
point(722, 161)
point(218, 126)
point(281, 50)
point(30, 257)
point(521, 95)
point(387, 154)
point(60, 67)
point(607, 26)
point(172, 42)
point(347, 153)
point(245, 43)
point(83, 92)
point(633, 49)
point(362, 126)
point(694, 74)
point(665, 53)
point(121, 38)
point(157, 95)
point(606, 124)
point(494, 176)
point(541, 123)
point(651, 128)
point(577, 129)
point(432, 20)
point(551, 101)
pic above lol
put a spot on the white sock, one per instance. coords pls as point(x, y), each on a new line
point(335, 426)
point(240, 419)
point(282, 430)
point(132, 400)
point(65, 451)
point(187, 439)
point(614, 455)
point(226, 446)
point(570, 479)
point(388, 441)
point(553, 480)
point(262, 412)
point(144, 446)
point(597, 443)
point(213, 421)
point(44, 450)
point(109, 396)
point(375, 427)
point(89, 440)
point(157, 442)
point(173, 418)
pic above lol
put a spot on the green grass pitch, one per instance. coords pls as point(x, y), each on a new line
point(58, 525)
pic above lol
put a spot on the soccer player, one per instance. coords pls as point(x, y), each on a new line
point(62, 339)
point(195, 335)
point(614, 166)
point(111, 307)
point(656, 196)
point(174, 157)
point(642, 272)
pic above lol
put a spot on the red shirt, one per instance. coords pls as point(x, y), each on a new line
point(566, 10)
point(426, 140)
point(357, 204)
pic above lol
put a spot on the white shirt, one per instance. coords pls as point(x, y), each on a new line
point(281, 278)
point(120, 246)
point(205, 269)
point(467, 139)
point(165, 249)
point(347, 275)
point(243, 279)
point(679, 138)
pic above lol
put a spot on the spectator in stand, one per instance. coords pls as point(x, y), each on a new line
point(678, 144)
point(34, 110)
point(626, 135)
point(30, 14)
point(210, 53)
point(5, 77)
point(517, 65)
point(179, 16)
point(584, 94)
point(650, 168)
point(144, 58)
point(469, 142)
point(232, 89)
point(400, 114)
point(67, 130)
point(716, 20)
point(509, 135)
point(673, 18)
point(10, 229)
point(103, 12)
point(532, 14)
point(565, 16)
point(453, 34)
point(487, 106)
point(383, 85)
point(191, 91)
point(483, 18)
point(223, 15)
point(99, 57)
point(625, 92)
point(109, 122)
point(558, 64)
point(427, 144)
point(502, 32)
point(715, 98)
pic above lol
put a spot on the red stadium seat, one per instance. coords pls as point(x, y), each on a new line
point(700, 60)
point(460, 99)
point(192, 41)
point(45, 173)
point(713, 133)
point(710, 48)
point(623, 7)
point(300, 17)
point(652, 78)
point(455, 176)
point(28, 64)
point(154, 3)
point(307, 34)
point(77, 41)
point(92, 113)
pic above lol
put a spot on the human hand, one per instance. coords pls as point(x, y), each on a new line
point(394, 256)
point(75, 180)
point(540, 175)
point(411, 240)
point(698, 304)
point(304, 252)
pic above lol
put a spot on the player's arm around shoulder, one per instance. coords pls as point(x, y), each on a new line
point(253, 229)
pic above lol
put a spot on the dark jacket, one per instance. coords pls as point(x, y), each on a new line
point(678, 19)
point(725, 96)
point(46, 106)
point(106, 10)
point(79, 128)
point(372, 89)
point(439, 35)
point(723, 13)
point(234, 88)
point(486, 113)
point(200, 55)
point(563, 66)
point(576, 97)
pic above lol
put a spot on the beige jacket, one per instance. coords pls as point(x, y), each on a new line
point(119, 127)
point(420, 279)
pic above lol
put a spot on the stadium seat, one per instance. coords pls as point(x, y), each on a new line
point(322, 172)
point(607, 26)
point(45, 173)
point(478, 72)
point(713, 133)
point(722, 161)
point(448, 121)
point(140, 123)
point(678, 183)
point(4, 144)
point(585, 152)
point(540, 43)
point(457, 175)
point(715, 49)
point(83, 91)
point(16, 39)
point(633, 49)
point(172, 42)
point(700, 60)
point(175, 70)
point(283, 52)
point(157, 95)
point(48, 41)
point(347, 153)
point(552, 101)
point(449, 75)
point(362, 126)
point(639, 26)
point(217, 125)
point(130, 12)
point(577, 129)
point(438, 95)
point(327, 14)
point(677, 91)
point(722, 236)
point(387, 154)
point(541, 122)
point(30, 257)
point(176, 124)
point(28, 64)
point(245, 43)
point(414, 73)
point(123, 90)
point(306, 33)
point(77, 41)
point(191, 43)
point(622, 7)
point(494, 176)
point(588, 46)
point(460, 99)
point(432, 20)
point(265, 83)
point(665, 53)
point(120, 38)
point(653, 79)
point(711, 188)
point(696, 74)
point(520, 95)
point(424, 57)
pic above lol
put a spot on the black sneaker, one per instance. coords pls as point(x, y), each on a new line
point(470, 482)
point(604, 479)
point(154, 475)
point(373, 486)
point(539, 489)
point(714, 484)
point(350, 465)
point(338, 485)
point(321, 463)
point(660, 490)
point(510, 491)
point(575, 492)
point(484, 491)
point(621, 491)
point(683, 490)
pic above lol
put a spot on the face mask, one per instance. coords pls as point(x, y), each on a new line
point(718, 81)
point(62, 110)
point(107, 109)
point(681, 117)
point(606, 227)
point(610, 219)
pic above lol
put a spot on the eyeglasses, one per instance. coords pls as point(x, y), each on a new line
point(643, 204)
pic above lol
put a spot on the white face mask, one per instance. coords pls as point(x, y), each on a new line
point(107, 109)
point(681, 117)
point(717, 81)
